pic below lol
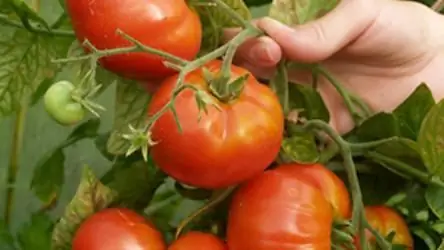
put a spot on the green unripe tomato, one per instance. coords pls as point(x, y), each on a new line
point(60, 105)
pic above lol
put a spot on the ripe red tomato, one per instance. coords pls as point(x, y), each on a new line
point(384, 219)
point(198, 241)
point(278, 211)
point(226, 146)
point(168, 25)
point(325, 180)
point(117, 228)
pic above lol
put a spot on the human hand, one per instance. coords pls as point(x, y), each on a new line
point(381, 50)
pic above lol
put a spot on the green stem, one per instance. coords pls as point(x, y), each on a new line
point(14, 159)
point(348, 101)
point(4, 19)
point(221, 83)
point(358, 217)
point(217, 198)
point(137, 47)
point(405, 168)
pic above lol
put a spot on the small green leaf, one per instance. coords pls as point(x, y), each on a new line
point(308, 101)
point(131, 109)
point(215, 19)
point(279, 84)
point(48, 177)
point(91, 197)
point(26, 14)
point(434, 197)
point(26, 62)
point(135, 183)
point(36, 234)
point(300, 147)
point(412, 111)
point(300, 11)
point(379, 126)
point(6, 238)
point(431, 140)
point(429, 237)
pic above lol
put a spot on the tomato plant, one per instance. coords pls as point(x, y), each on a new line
point(277, 210)
point(117, 228)
point(386, 220)
point(170, 25)
point(60, 104)
point(198, 241)
point(229, 144)
point(188, 140)
point(325, 180)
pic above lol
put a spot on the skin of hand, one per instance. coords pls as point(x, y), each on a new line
point(380, 50)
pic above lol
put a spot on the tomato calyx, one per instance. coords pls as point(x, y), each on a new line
point(222, 86)
point(342, 234)
point(139, 139)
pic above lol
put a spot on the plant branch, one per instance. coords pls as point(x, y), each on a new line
point(5, 19)
point(405, 168)
point(349, 101)
point(137, 47)
point(14, 159)
point(358, 216)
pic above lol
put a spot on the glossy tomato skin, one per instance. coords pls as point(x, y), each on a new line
point(198, 241)
point(384, 219)
point(168, 25)
point(226, 146)
point(278, 211)
point(117, 228)
point(326, 181)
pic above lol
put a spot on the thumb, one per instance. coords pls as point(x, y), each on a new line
point(319, 39)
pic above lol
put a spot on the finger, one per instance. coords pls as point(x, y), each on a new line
point(260, 52)
point(317, 40)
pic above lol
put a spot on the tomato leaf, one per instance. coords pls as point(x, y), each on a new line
point(429, 237)
point(300, 11)
point(167, 209)
point(131, 109)
point(91, 196)
point(48, 177)
point(36, 234)
point(434, 199)
point(26, 14)
point(26, 62)
point(6, 239)
point(371, 130)
point(88, 129)
point(403, 149)
point(431, 140)
point(214, 20)
point(412, 111)
point(279, 84)
point(299, 147)
point(308, 102)
point(137, 193)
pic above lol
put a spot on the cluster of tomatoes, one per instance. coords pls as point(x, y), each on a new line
point(288, 207)
point(285, 207)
